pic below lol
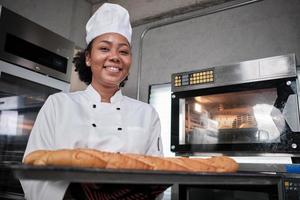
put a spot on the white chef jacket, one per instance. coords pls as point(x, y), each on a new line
point(81, 120)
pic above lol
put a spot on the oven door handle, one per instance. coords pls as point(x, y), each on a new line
point(23, 73)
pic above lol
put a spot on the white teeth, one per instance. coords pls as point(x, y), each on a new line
point(112, 69)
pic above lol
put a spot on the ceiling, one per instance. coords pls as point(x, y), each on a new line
point(102, 1)
point(96, 1)
point(145, 11)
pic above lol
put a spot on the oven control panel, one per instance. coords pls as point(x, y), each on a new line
point(292, 188)
point(193, 78)
point(263, 69)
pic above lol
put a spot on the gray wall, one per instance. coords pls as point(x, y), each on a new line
point(64, 17)
point(266, 28)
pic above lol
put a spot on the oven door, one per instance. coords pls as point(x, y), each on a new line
point(251, 118)
point(229, 192)
point(22, 94)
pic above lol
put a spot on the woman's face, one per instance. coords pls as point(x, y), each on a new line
point(109, 59)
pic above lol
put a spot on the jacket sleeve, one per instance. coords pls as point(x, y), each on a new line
point(42, 137)
point(155, 144)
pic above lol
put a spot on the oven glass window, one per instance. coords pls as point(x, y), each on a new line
point(20, 102)
point(32, 52)
point(237, 117)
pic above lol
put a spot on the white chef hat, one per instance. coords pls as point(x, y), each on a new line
point(109, 18)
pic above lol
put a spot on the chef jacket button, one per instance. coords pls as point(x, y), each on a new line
point(94, 125)
point(118, 108)
point(119, 129)
point(94, 105)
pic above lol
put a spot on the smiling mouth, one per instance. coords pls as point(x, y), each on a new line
point(113, 68)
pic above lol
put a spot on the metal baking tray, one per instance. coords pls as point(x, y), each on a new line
point(118, 176)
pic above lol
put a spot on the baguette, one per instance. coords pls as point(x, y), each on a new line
point(33, 156)
point(99, 159)
point(194, 165)
point(117, 160)
point(159, 163)
point(66, 157)
point(222, 163)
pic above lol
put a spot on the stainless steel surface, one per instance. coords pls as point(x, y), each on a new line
point(20, 72)
point(16, 25)
point(19, 93)
point(262, 167)
point(140, 176)
point(223, 7)
point(276, 67)
point(19, 102)
point(22, 93)
point(249, 153)
point(298, 83)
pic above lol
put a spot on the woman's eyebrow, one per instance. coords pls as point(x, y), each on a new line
point(124, 44)
point(109, 42)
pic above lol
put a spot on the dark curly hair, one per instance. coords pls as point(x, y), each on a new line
point(85, 72)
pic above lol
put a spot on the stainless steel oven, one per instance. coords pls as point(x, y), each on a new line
point(243, 109)
point(22, 94)
point(246, 108)
point(34, 63)
point(242, 186)
point(29, 45)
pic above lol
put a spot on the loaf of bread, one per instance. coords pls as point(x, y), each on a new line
point(64, 157)
point(100, 159)
point(34, 156)
point(118, 160)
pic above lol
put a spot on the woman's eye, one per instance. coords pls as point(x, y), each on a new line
point(124, 52)
point(104, 49)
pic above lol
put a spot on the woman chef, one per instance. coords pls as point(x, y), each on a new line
point(100, 117)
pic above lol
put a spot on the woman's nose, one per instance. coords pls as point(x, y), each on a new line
point(114, 56)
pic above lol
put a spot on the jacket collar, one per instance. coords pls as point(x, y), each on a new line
point(117, 97)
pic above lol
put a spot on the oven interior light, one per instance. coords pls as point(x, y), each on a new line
point(198, 107)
